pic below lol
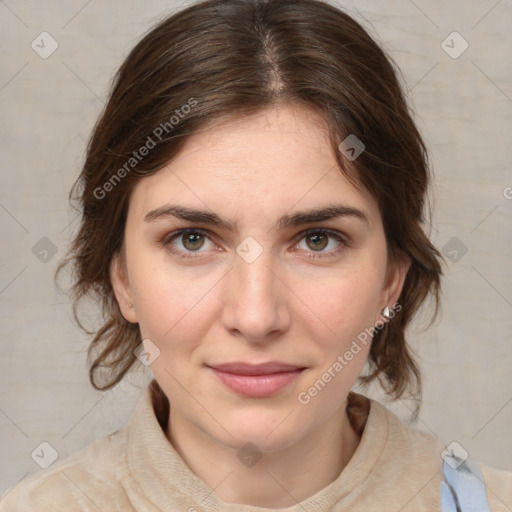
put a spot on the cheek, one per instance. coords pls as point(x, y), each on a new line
point(172, 303)
point(343, 303)
point(345, 306)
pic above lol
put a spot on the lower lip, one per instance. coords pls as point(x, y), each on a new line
point(257, 386)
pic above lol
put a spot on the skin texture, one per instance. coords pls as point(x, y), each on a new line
point(300, 301)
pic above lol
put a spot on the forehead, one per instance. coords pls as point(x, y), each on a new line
point(273, 161)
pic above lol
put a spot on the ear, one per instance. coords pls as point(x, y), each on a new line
point(121, 286)
point(395, 279)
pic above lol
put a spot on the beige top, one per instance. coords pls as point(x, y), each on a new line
point(395, 468)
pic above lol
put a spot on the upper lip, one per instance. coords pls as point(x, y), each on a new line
point(240, 368)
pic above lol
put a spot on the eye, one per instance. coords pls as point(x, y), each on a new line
point(185, 242)
point(191, 241)
point(316, 240)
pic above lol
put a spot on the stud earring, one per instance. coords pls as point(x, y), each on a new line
point(386, 313)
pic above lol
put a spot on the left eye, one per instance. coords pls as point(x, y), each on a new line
point(318, 240)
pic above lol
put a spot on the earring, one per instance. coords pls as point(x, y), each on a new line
point(386, 313)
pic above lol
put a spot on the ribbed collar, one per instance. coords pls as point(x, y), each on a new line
point(161, 473)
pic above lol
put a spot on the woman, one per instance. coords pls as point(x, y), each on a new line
point(253, 199)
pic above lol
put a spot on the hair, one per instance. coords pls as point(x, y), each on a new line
point(220, 59)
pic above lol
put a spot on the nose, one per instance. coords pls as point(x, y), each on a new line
point(255, 300)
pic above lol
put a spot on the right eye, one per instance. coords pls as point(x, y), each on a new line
point(190, 239)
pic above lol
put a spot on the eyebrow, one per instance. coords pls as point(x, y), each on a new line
point(286, 221)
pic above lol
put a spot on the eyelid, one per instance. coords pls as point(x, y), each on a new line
point(173, 234)
point(332, 232)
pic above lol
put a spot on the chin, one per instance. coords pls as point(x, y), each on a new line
point(267, 430)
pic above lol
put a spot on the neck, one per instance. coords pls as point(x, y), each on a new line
point(279, 479)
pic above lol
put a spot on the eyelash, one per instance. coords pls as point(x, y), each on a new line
point(166, 241)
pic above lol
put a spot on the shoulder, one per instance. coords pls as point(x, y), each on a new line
point(498, 485)
point(393, 451)
point(84, 481)
point(422, 456)
point(411, 441)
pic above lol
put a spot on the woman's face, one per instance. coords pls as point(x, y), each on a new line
point(257, 280)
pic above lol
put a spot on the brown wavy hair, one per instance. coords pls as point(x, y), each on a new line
point(229, 58)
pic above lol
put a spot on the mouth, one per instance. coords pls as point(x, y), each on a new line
point(256, 381)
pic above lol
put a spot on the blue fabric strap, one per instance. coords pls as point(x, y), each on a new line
point(463, 488)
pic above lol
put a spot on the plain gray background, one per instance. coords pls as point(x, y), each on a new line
point(48, 108)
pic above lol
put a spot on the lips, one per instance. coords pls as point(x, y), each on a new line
point(256, 369)
point(256, 381)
